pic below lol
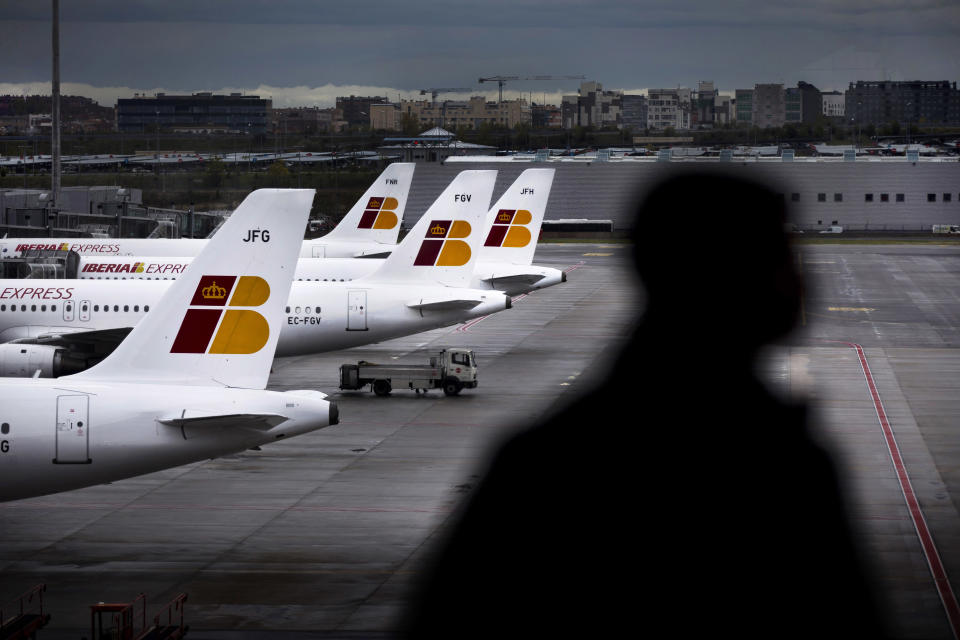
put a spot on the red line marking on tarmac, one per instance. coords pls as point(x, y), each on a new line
point(947, 596)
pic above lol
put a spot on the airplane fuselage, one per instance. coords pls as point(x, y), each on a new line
point(511, 279)
point(153, 247)
point(320, 316)
point(59, 434)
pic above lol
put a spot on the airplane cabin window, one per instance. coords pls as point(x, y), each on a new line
point(5, 428)
point(146, 308)
point(288, 310)
point(126, 308)
point(116, 307)
point(136, 308)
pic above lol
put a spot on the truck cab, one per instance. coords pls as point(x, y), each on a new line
point(459, 367)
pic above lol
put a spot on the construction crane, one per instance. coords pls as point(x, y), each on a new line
point(500, 80)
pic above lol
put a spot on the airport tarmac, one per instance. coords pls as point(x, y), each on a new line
point(324, 535)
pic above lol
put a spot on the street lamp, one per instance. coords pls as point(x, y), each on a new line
point(909, 104)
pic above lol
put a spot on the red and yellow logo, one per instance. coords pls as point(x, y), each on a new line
point(510, 229)
point(442, 246)
point(239, 330)
point(379, 214)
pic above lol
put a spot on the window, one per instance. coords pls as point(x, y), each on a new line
point(3, 307)
point(838, 197)
point(126, 308)
point(795, 197)
point(43, 307)
point(146, 308)
point(931, 197)
point(116, 308)
point(5, 428)
point(899, 197)
point(288, 310)
point(884, 197)
point(33, 307)
point(96, 307)
point(868, 197)
point(136, 308)
point(106, 308)
point(821, 197)
point(946, 197)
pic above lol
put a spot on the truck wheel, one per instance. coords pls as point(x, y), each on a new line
point(382, 387)
point(452, 386)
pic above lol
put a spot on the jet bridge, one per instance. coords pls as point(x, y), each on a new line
point(41, 264)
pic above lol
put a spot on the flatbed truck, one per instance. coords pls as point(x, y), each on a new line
point(451, 369)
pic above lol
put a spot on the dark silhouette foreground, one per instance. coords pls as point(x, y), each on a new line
point(680, 497)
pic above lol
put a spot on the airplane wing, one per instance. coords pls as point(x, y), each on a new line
point(195, 418)
point(445, 303)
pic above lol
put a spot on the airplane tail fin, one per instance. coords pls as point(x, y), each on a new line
point(514, 222)
point(443, 246)
point(376, 216)
point(219, 322)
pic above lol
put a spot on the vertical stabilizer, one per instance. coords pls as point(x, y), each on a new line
point(513, 223)
point(443, 246)
point(376, 216)
point(218, 323)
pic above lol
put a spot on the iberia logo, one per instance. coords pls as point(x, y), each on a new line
point(379, 214)
point(509, 229)
point(209, 327)
point(442, 246)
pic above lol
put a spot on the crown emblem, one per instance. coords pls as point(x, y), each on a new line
point(504, 217)
point(213, 292)
point(437, 230)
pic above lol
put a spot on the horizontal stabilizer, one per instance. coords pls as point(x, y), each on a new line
point(106, 338)
point(195, 418)
point(514, 279)
point(445, 303)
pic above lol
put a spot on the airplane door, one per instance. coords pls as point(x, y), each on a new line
point(68, 310)
point(320, 251)
point(84, 311)
point(73, 431)
point(356, 310)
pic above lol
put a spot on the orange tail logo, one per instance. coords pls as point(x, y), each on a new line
point(443, 246)
point(239, 330)
point(510, 229)
point(379, 214)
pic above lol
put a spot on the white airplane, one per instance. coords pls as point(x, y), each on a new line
point(187, 384)
point(505, 261)
point(370, 228)
point(60, 326)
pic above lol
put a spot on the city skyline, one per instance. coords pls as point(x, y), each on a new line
point(303, 53)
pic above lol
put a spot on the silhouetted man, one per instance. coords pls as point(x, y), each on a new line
point(680, 496)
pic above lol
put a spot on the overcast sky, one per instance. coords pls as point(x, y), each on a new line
point(307, 52)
